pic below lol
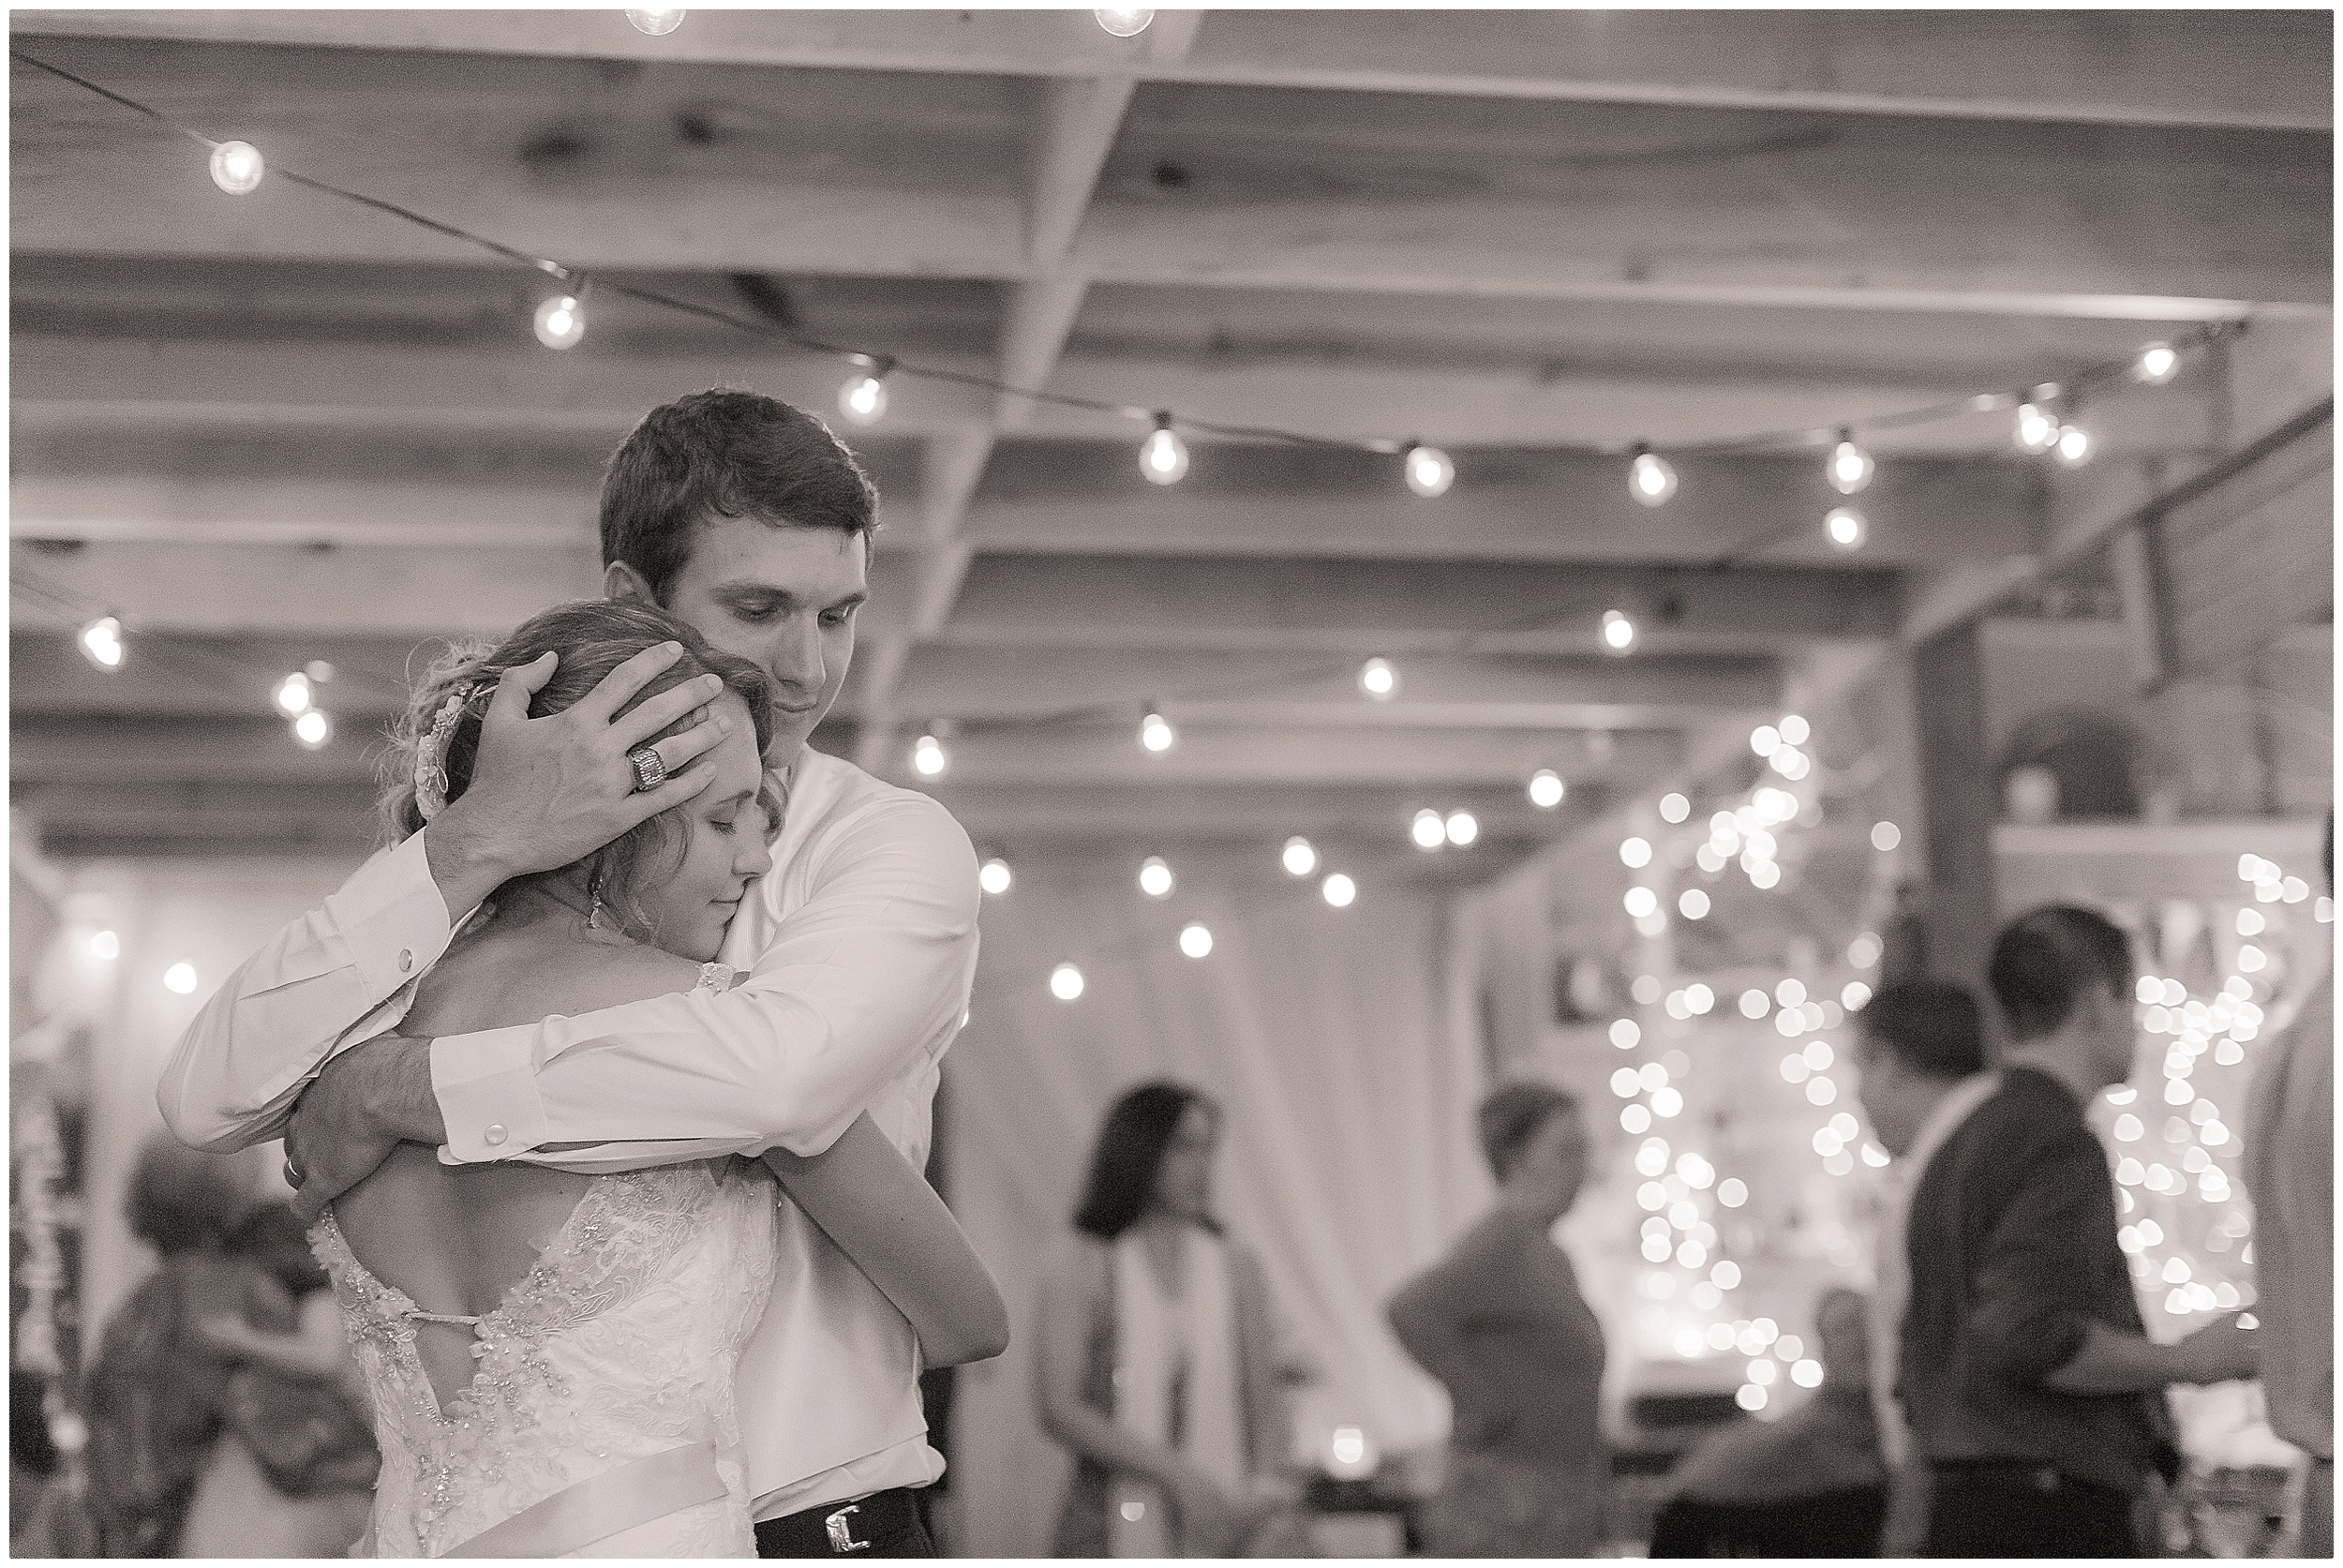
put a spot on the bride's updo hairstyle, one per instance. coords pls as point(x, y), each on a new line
point(435, 743)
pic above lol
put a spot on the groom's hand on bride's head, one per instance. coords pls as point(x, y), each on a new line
point(544, 792)
point(363, 1103)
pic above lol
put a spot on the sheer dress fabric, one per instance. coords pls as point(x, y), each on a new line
point(620, 1343)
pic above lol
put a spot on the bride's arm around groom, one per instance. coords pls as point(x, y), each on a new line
point(867, 949)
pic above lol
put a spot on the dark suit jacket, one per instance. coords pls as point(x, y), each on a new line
point(2012, 1249)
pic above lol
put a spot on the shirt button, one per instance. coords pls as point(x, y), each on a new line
point(406, 959)
point(495, 1135)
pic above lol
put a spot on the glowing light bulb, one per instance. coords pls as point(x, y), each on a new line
point(1619, 632)
point(1066, 983)
point(1851, 466)
point(1674, 807)
point(237, 167)
point(1154, 877)
point(1125, 22)
point(1351, 1453)
point(2035, 430)
point(928, 757)
point(1651, 478)
point(1845, 528)
point(1429, 471)
point(1155, 732)
point(1163, 457)
point(1634, 852)
point(105, 947)
point(1886, 836)
point(560, 321)
point(292, 693)
point(2074, 445)
point(1462, 828)
point(180, 978)
point(1640, 902)
point(101, 643)
point(1429, 829)
point(657, 23)
point(313, 729)
point(1339, 890)
point(1765, 739)
point(1692, 904)
point(1795, 729)
point(1378, 680)
point(994, 876)
point(1546, 789)
point(863, 398)
point(1194, 939)
point(2158, 363)
point(1300, 857)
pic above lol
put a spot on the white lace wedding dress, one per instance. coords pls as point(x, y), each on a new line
point(610, 1364)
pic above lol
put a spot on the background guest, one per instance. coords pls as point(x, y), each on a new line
point(1501, 1321)
point(291, 1473)
point(156, 1391)
point(1811, 1484)
point(1157, 1360)
point(2290, 1170)
point(2033, 1392)
point(1920, 1054)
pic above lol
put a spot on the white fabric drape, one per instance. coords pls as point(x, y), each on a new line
point(1347, 1160)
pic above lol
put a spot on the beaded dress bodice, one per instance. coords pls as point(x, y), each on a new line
point(620, 1343)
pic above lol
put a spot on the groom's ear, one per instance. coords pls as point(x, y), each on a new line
point(621, 581)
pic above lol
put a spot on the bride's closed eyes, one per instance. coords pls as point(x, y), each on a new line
point(726, 828)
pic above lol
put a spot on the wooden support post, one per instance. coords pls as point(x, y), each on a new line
point(1957, 789)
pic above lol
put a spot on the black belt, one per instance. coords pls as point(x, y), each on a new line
point(2024, 1473)
point(838, 1529)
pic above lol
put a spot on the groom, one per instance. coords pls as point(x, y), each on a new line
point(745, 517)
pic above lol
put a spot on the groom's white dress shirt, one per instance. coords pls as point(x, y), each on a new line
point(859, 948)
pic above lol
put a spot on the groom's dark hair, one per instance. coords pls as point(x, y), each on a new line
point(726, 454)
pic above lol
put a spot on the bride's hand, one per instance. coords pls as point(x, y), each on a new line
point(544, 792)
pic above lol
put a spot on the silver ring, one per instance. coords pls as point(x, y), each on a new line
point(292, 1174)
point(649, 770)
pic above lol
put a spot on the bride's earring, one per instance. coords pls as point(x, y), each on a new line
point(593, 890)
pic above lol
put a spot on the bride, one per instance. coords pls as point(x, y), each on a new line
point(551, 1354)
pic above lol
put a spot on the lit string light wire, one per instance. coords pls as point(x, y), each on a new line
point(2109, 373)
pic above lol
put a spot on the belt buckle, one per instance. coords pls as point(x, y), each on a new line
point(841, 1533)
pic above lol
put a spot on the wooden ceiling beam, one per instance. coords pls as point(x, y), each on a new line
point(1018, 601)
point(802, 171)
point(1334, 817)
point(2102, 68)
point(975, 683)
point(1327, 754)
point(1366, 608)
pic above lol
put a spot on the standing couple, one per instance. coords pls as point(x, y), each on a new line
point(543, 1130)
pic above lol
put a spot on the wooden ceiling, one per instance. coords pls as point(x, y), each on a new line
point(276, 428)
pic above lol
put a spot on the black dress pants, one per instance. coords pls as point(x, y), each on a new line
point(2026, 1511)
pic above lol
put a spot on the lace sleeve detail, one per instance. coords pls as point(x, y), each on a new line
point(716, 977)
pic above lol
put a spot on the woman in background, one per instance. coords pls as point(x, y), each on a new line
point(1157, 1357)
point(1501, 1322)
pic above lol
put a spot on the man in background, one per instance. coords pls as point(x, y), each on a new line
point(2034, 1395)
point(1919, 1052)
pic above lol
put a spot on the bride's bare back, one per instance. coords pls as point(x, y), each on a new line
point(455, 1238)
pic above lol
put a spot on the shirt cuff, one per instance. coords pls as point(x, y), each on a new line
point(392, 918)
point(486, 1085)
